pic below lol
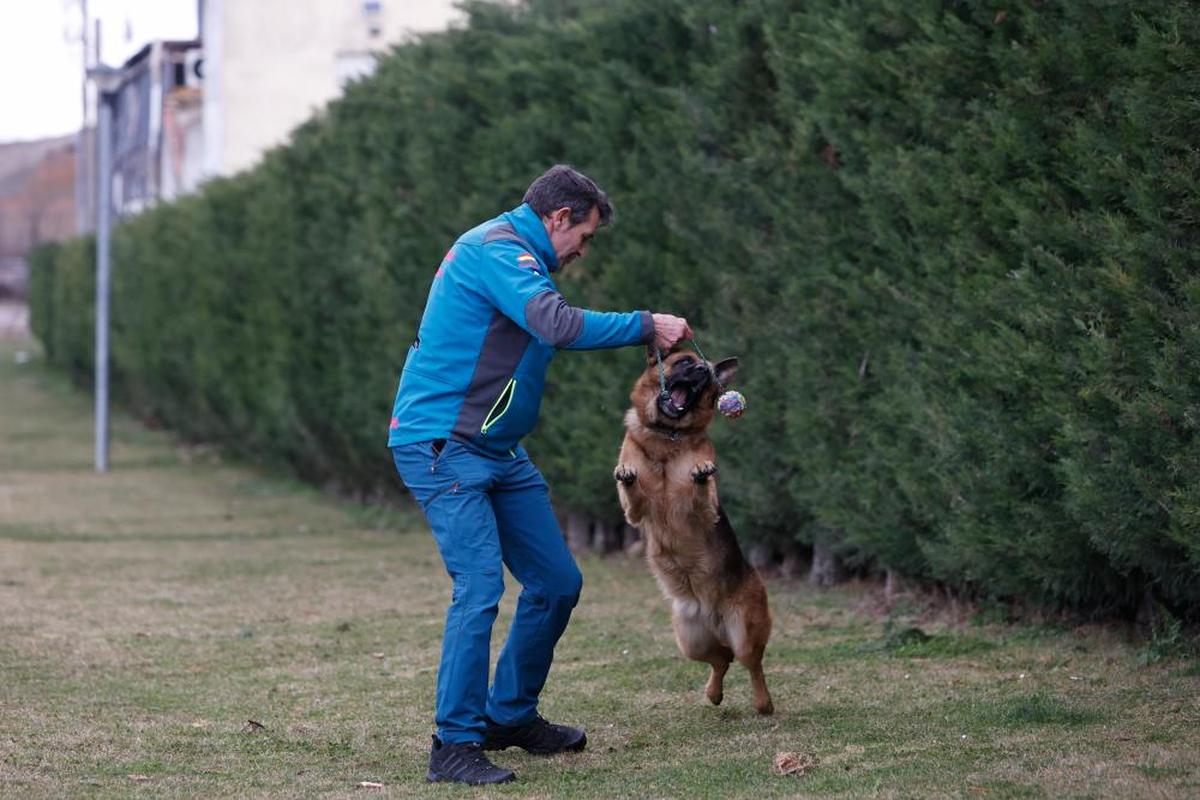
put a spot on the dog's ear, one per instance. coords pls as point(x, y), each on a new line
point(726, 369)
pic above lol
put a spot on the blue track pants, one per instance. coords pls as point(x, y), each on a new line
point(486, 511)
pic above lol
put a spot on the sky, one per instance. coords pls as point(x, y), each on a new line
point(41, 58)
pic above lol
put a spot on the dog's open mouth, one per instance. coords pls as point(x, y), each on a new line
point(682, 393)
point(677, 401)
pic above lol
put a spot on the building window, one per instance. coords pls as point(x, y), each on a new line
point(373, 12)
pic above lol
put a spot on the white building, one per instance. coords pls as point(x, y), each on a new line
point(270, 64)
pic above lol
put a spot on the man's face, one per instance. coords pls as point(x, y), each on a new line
point(571, 240)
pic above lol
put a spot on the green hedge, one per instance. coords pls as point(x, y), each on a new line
point(955, 248)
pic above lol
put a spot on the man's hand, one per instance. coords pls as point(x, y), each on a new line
point(668, 330)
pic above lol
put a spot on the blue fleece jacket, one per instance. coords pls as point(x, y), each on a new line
point(492, 322)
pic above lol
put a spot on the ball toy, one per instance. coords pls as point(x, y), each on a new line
point(732, 404)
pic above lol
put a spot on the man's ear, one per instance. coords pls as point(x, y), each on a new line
point(560, 218)
point(726, 369)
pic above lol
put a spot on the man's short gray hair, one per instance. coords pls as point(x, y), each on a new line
point(563, 186)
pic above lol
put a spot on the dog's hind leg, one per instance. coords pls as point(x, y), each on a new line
point(752, 661)
point(698, 641)
point(714, 690)
point(749, 639)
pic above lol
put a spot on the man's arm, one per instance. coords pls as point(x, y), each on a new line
point(512, 280)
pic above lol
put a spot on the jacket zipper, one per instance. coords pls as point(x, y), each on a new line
point(505, 398)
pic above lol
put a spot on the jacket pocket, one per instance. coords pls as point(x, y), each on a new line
point(500, 407)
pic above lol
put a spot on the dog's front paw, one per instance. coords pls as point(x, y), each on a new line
point(625, 474)
point(702, 471)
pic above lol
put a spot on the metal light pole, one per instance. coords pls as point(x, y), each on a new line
point(107, 83)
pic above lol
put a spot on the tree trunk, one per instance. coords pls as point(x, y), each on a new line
point(891, 583)
point(794, 564)
point(579, 533)
point(1148, 615)
point(826, 571)
point(634, 544)
point(761, 557)
point(606, 538)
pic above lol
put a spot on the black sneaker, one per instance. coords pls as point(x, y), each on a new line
point(538, 737)
point(464, 763)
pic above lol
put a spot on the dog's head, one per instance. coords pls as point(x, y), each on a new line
point(692, 386)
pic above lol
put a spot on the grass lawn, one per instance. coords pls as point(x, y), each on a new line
point(147, 615)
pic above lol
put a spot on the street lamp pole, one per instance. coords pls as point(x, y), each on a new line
point(107, 83)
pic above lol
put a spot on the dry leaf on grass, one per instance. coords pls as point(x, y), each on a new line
point(793, 763)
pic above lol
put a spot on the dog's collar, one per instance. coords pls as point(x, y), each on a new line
point(674, 434)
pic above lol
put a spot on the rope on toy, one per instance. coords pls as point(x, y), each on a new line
point(731, 402)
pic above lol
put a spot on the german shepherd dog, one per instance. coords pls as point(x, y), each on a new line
point(667, 483)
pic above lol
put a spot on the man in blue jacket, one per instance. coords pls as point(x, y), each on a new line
point(470, 390)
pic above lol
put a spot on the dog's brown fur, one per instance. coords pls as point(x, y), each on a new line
point(666, 480)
